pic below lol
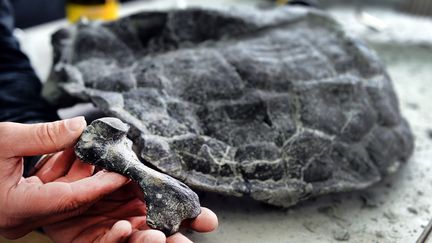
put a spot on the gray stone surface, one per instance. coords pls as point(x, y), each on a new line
point(168, 201)
point(280, 105)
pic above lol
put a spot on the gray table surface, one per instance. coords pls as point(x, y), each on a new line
point(395, 210)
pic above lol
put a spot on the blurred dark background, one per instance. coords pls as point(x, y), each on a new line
point(33, 12)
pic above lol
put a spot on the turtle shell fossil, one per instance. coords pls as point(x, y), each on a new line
point(279, 105)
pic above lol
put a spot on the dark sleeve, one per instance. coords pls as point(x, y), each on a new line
point(20, 88)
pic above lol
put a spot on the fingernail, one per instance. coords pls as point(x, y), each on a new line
point(75, 124)
point(100, 173)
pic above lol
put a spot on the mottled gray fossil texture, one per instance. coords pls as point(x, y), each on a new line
point(280, 105)
point(169, 201)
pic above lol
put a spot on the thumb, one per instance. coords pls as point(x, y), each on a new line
point(42, 138)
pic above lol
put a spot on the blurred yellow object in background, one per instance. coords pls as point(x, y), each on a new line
point(92, 9)
point(281, 2)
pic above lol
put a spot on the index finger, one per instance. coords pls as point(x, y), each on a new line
point(206, 221)
point(61, 197)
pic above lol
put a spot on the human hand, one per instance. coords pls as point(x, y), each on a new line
point(63, 189)
point(120, 217)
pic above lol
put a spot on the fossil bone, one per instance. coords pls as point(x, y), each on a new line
point(169, 202)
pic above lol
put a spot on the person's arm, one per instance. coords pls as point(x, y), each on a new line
point(20, 88)
point(20, 99)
